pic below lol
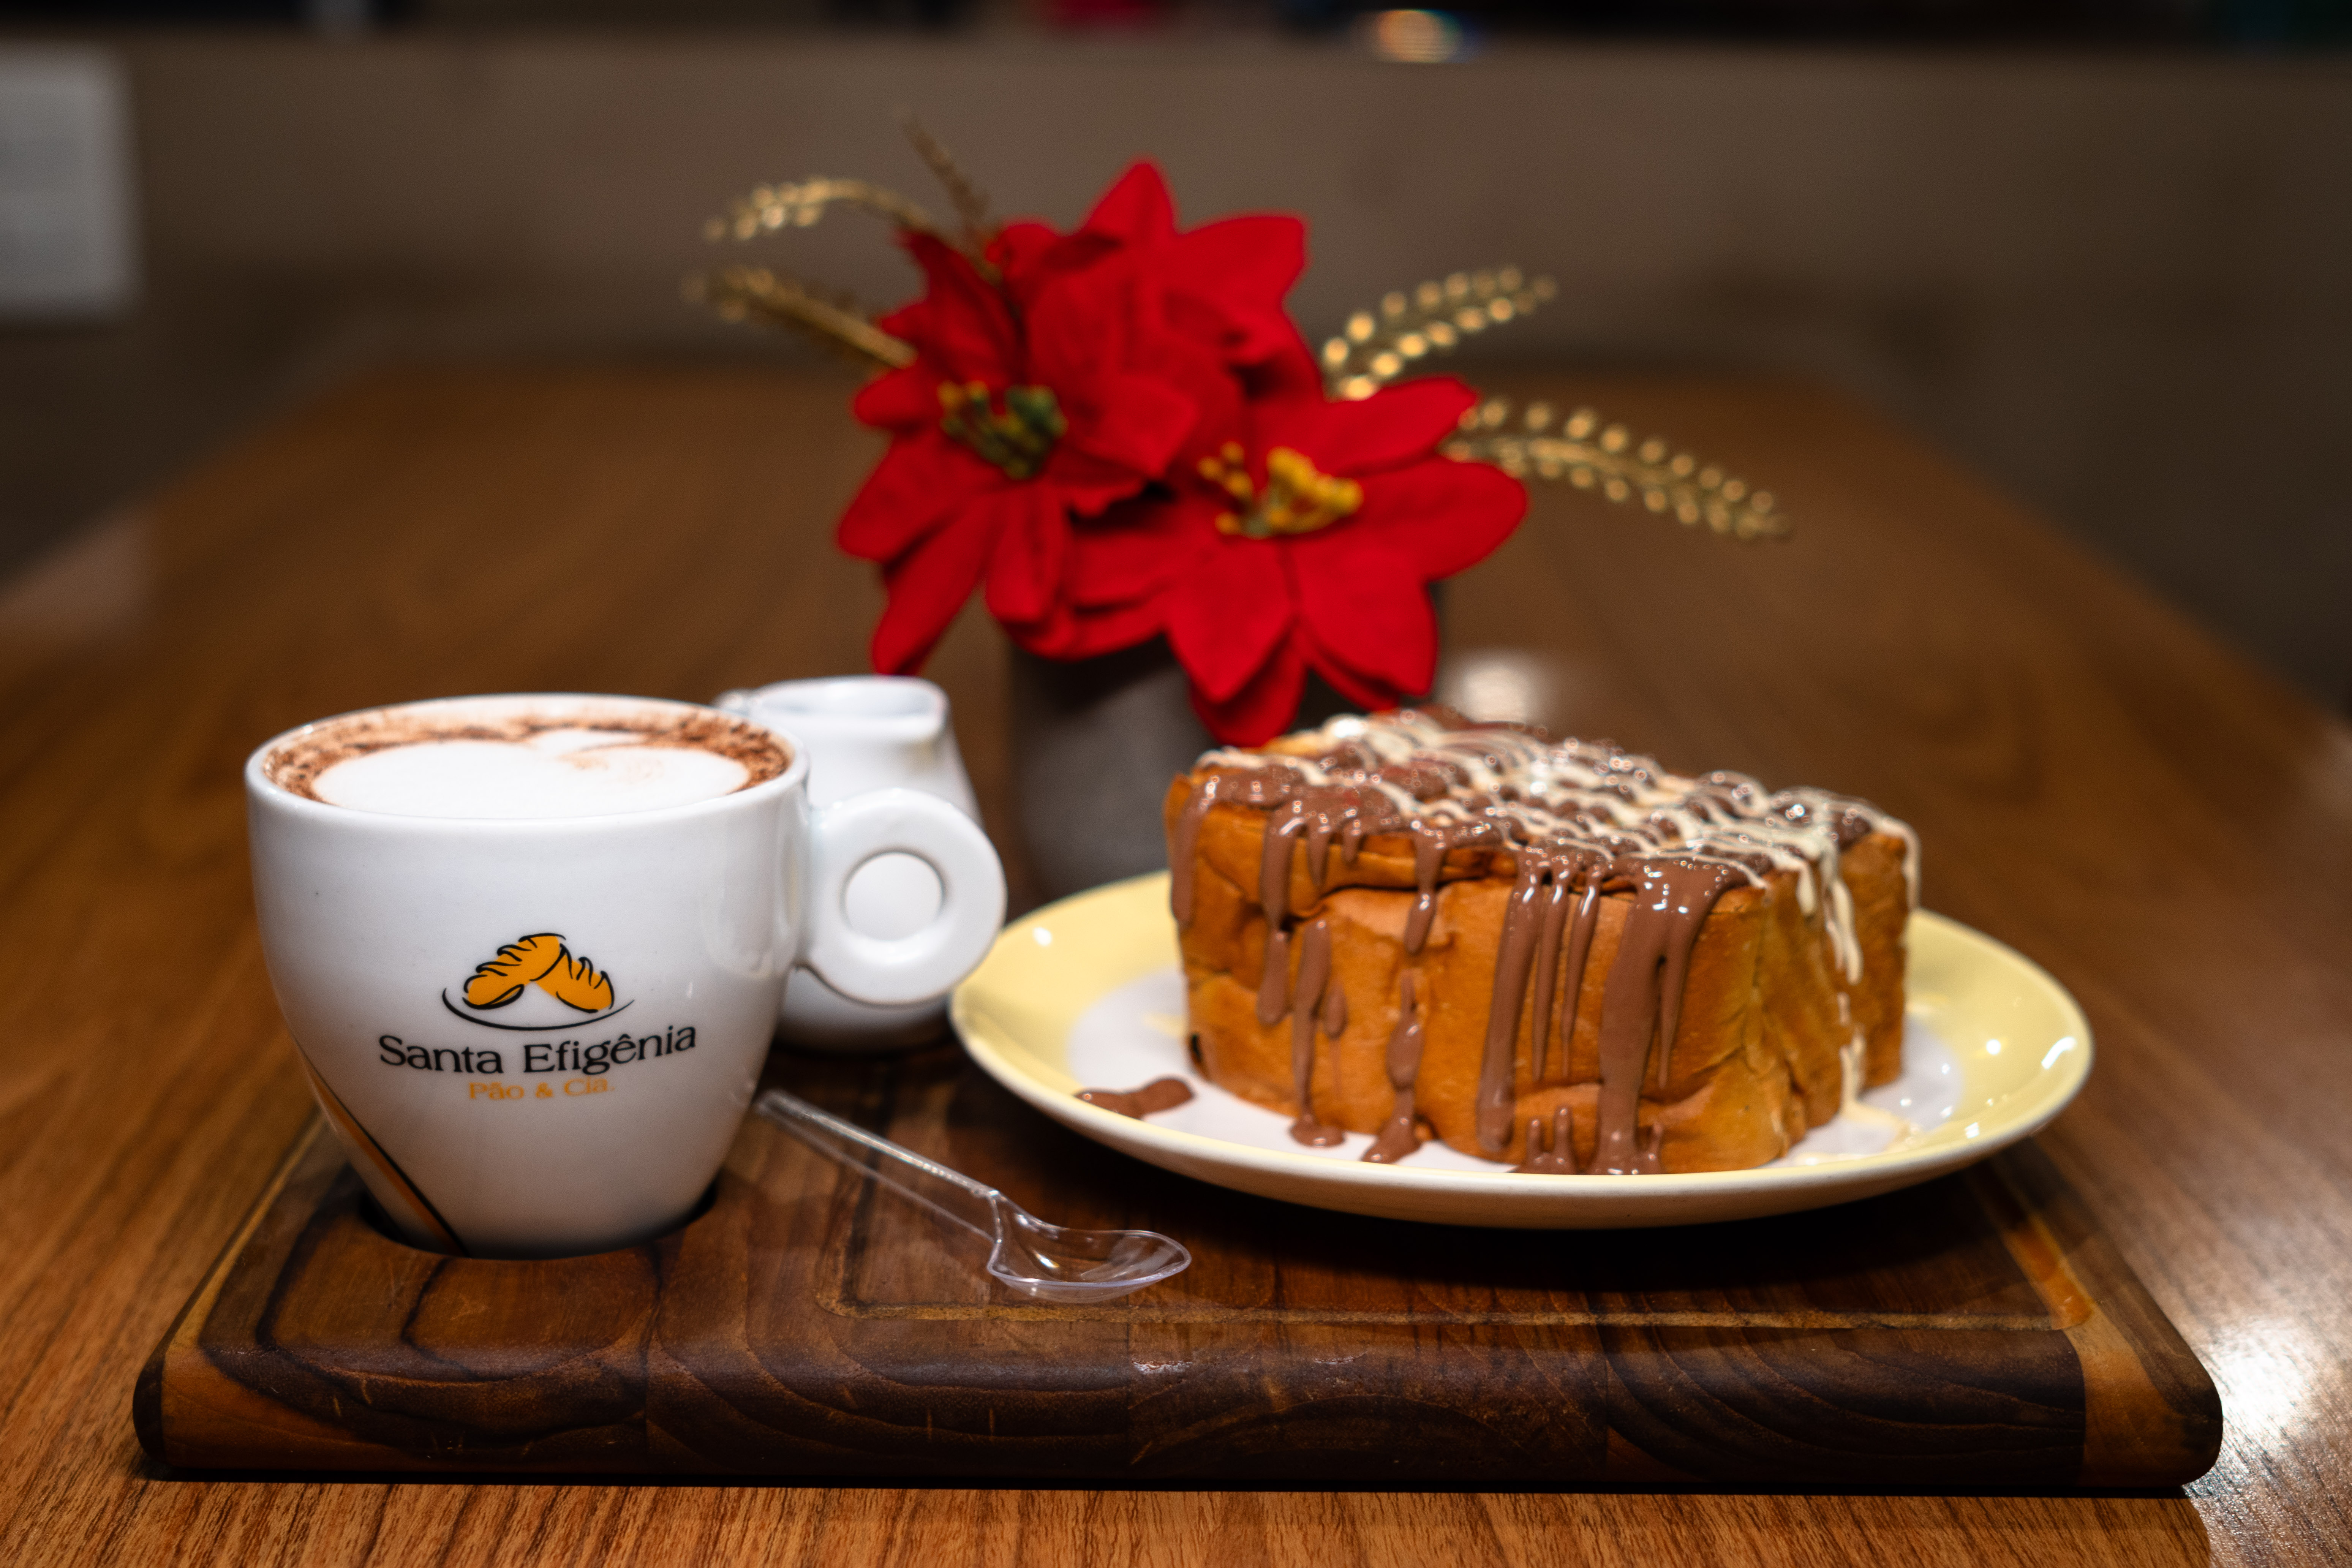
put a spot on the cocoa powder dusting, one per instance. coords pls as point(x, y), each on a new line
point(297, 764)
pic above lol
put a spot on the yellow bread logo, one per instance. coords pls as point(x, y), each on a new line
point(543, 960)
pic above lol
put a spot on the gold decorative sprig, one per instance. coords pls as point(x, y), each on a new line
point(1590, 454)
point(799, 205)
point(970, 201)
point(1378, 346)
point(1375, 348)
point(746, 293)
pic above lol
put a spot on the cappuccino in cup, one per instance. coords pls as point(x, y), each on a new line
point(531, 948)
point(578, 762)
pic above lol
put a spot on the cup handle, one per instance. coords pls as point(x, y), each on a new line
point(891, 972)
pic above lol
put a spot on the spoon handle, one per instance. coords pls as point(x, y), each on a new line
point(951, 1194)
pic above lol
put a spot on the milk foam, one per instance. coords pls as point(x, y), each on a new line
point(555, 774)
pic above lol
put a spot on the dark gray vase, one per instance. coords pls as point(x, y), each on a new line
point(1095, 744)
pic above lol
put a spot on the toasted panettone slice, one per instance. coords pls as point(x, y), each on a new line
point(1413, 927)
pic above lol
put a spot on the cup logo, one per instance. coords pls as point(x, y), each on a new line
point(533, 983)
point(535, 986)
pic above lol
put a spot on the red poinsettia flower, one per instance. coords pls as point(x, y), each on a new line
point(1306, 541)
point(1224, 282)
point(1118, 433)
point(1089, 366)
point(1002, 429)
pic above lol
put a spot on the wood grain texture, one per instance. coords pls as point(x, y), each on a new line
point(1972, 1331)
point(2100, 785)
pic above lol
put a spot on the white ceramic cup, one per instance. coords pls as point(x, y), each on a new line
point(549, 1127)
point(865, 733)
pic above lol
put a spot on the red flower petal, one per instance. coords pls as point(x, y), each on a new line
point(1264, 708)
point(969, 329)
point(1444, 516)
point(904, 400)
point(1396, 425)
point(1109, 630)
point(1081, 324)
point(1135, 209)
point(1071, 633)
point(1247, 266)
point(1030, 272)
point(1136, 549)
point(1215, 391)
point(927, 585)
point(1368, 609)
point(919, 483)
point(1019, 248)
point(1290, 376)
point(910, 320)
point(1088, 484)
point(1080, 339)
point(1134, 421)
point(1368, 696)
point(1025, 565)
point(1228, 615)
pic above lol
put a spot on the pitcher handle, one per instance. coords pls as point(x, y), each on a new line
point(893, 971)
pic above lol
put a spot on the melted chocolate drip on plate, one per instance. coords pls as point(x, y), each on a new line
point(1159, 1094)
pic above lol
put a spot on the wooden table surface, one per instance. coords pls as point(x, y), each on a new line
point(2096, 782)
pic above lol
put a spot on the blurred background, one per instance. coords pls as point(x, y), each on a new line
point(2100, 250)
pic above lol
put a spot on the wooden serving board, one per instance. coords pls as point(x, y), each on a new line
point(1977, 1331)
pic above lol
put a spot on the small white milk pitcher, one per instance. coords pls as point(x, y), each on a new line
point(866, 732)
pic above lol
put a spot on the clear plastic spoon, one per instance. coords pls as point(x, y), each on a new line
point(1049, 1262)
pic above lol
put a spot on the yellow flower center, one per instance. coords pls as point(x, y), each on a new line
point(1297, 498)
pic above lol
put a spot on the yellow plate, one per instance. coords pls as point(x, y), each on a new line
point(1994, 1050)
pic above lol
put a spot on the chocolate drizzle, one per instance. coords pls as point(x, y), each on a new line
point(1496, 1092)
point(1643, 1000)
point(1274, 984)
point(1401, 1136)
point(1574, 822)
point(1314, 977)
point(1558, 890)
point(1428, 855)
point(1552, 1150)
point(1274, 865)
point(1188, 838)
point(1580, 946)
